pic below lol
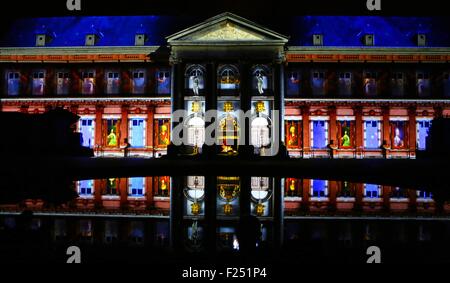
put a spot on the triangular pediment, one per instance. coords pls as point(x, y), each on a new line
point(226, 28)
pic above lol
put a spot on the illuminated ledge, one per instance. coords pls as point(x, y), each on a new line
point(365, 101)
point(77, 54)
point(84, 99)
point(368, 54)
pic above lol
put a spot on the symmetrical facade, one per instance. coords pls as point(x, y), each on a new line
point(341, 101)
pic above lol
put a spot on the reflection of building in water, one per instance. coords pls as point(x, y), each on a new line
point(380, 105)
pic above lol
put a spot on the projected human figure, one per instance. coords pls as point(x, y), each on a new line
point(259, 83)
point(345, 139)
point(398, 141)
point(195, 85)
point(112, 138)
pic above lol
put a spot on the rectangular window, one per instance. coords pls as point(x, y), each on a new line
point(372, 191)
point(88, 82)
point(38, 83)
point(318, 83)
point(138, 82)
point(293, 84)
point(162, 132)
point(163, 186)
point(112, 134)
point(423, 128)
point(293, 187)
point(397, 84)
point(87, 130)
point(86, 188)
point(370, 84)
point(62, 83)
point(13, 83)
point(346, 134)
point(372, 134)
point(319, 188)
point(163, 82)
point(319, 134)
point(137, 132)
point(293, 133)
point(423, 84)
point(399, 134)
point(112, 83)
point(112, 187)
point(136, 186)
point(345, 84)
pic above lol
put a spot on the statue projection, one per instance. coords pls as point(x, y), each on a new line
point(259, 83)
point(260, 127)
point(293, 130)
point(345, 132)
point(228, 129)
point(398, 132)
point(195, 85)
point(162, 132)
point(112, 138)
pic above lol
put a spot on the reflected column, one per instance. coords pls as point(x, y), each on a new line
point(278, 213)
point(210, 213)
point(176, 213)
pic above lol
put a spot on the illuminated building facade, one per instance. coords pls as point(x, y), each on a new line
point(346, 87)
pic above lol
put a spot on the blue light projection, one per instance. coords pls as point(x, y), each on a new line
point(112, 30)
point(388, 31)
point(337, 30)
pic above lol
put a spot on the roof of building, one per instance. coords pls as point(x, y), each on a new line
point(336, 30)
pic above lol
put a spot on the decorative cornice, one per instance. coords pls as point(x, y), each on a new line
point(90, 100)
point(366, 102)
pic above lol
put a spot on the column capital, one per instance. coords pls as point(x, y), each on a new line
point(99, 107)
point(412, 110)
point(357, 109)
point(174, 59)
point(280, 57)
point(438, 111)
point(385, 109)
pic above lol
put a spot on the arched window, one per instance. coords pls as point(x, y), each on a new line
point(228, 78)
point(195, 79)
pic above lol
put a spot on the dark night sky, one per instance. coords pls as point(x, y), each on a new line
point(211, 7)
point(275, 11)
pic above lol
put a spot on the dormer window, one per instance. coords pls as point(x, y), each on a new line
point(369, 40)
point(317, 39)
point(91, 39)
point(140, 39)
